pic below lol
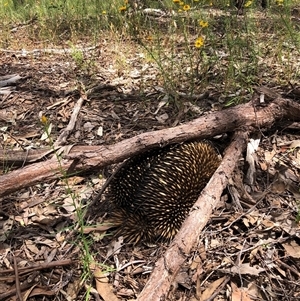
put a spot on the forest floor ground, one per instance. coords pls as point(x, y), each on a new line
point(249, 250)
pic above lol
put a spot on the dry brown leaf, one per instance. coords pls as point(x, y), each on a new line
point(97, 228)
point(126, 292)
point(28, 292)
point(41, 291)
point(269, 155)
point(31, 246)
point(295, 143)
point(254, 291)
point(6, 225)
point(211, 289)
point(73, 289)
point(51, 256)
point(195, 262)
point(275, 201)
point(215, 243)
point(114, 247)
point(75, 180)
point(8, 116)
point(252, 217)
point(47, 242)
point(238, 294)
point(292, 249)
point(162, 118)
point(70, 204)
point(50, 209)
point(161, 104)
point(278, 186)
point(182, 278)
point(245, 268)
point(253, 254)
point(104, 289)
point(263, 166)
point(268, 224)
point(294, 189)
point(280, 270)
point(198, 265)
point(202, 252)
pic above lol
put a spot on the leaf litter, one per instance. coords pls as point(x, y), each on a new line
point(249, 250)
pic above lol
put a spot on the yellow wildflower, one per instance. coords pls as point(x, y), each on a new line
point(279, 2)
point(199, 42)
point(203, 23)
point(176, 1)
point(248, 3)
point(179, 10)
point(103, 12)
point(186, 7)
point(122, 8)
point(181, 3)
point(44, 120)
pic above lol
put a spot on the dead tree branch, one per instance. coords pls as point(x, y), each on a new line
point(84, 158)
point(168, 265)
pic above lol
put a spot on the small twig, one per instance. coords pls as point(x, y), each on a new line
point(220, 287)
point(41, 266)
point(24, 286)
point(245, 213)
point(17, 280)
point(296, 273)
point(64, 135)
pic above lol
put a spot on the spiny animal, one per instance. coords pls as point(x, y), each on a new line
point(152, 193)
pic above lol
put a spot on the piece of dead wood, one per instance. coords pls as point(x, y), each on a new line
point(9, 80)
point(167, 267)
point(6, 90)
point(27, 284)
point(87, 158)
point(20, 157)
point(42, 51)
point(7, 76)
point(65, 133)
point(35, 267)
point(17, 157)
point(17, 279)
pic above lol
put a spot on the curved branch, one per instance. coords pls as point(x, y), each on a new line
point(84, 158)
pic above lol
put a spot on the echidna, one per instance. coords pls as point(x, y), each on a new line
point(153, 192)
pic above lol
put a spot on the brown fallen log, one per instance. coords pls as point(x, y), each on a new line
point(86, 158)
point(167, 267)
